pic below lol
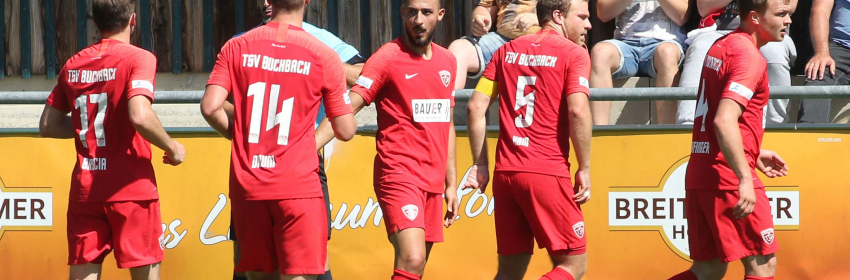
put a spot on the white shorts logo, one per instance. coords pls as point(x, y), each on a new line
point(346, 97)
point(767, 236)
point(446, 77)
point(410, 211)
point(578, 228)
point(162, 240)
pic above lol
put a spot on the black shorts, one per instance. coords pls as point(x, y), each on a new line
point(324, 179)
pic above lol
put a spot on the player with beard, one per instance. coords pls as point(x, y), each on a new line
point(411, 80)
point(729, 215)
point(541, 82)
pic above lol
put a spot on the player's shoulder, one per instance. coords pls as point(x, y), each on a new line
point(442, 52)
point(305, 39)
point(742, 48)
point(134, 52)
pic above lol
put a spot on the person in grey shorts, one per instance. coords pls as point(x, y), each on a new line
point(647, 41)
point(720, 17)
point(831, 63)
point(514, 18)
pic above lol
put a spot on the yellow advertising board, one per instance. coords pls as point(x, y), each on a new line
point(634, 223)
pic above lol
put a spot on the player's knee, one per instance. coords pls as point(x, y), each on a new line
point(770, 266)
point(714, 270)
point(414, 263)
point(604, 56)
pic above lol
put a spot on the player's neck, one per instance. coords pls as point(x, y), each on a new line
point(752, 31)
point(123, 36)
point(555, 28)
point(424, 51)
point(288, 18)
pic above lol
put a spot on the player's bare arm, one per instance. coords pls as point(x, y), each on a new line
point(482, 18)
point(581, 130)
point(212, 107)
point(146, 122)
point(607, 10)
point(706, 7)
point(452, 203)
point(325, 131)
point(819, 28)
point(352, 72)
point(677, 10)
point(476, 111)
point(732, 146)
point(771, 164)
point(56, 124)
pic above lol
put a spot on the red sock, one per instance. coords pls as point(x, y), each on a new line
point(748, 277)
point(557, 274)
point(399, 274)
point(686, 275)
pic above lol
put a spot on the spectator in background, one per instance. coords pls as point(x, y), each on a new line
point(647, 41)
point(515, 18)
point(832, 52)
point(720, 17)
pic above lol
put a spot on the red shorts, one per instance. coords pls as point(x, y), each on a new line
point(289, 234)
point(714, 232)
point(406, 206)
point(133, 229)
point(532, 206)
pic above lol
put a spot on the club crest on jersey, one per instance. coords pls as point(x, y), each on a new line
point(410, 211)
point(446, 77)
point(767, 236)
point(578, 228)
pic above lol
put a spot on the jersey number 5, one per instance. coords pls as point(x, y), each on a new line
point(81, 103)
point(284, 118)
point(524, 100)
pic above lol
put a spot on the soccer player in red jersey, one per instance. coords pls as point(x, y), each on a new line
point(729, 216)
point(108, 89)
point(411, 80)
point(541, 82)
point(277, 74)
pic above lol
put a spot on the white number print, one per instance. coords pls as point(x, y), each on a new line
point(284, 118)
point(702, 107)
point(81, 103)
point(524, 100)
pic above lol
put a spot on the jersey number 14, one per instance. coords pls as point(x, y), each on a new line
point(273, 118)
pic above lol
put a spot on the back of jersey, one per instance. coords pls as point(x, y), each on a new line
point(277, 75)
point(113, 160)
point(535, 73)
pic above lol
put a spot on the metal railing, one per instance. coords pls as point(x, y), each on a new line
point(612, 94)
point(596, 94)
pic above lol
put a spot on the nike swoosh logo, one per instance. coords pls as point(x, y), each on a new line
point(535, 45)
point(406, 76)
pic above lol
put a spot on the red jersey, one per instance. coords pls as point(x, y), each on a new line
point(414, 98)
point(733, 69)
point(535, 74)
point(277, 75)
point(113, 160)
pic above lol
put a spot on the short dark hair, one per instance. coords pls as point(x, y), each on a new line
point(406, 2)
point(758, 6)
point(287, 5)
point(546, 7)
point(112, 15)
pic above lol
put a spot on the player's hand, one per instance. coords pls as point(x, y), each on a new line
point(480, 25)
point(817, 66)
point(525, 21)
point(746, 200)
point(176, 156)
point(479, 176)
point(771, 164)
point(452, 206)
point(582, 186)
